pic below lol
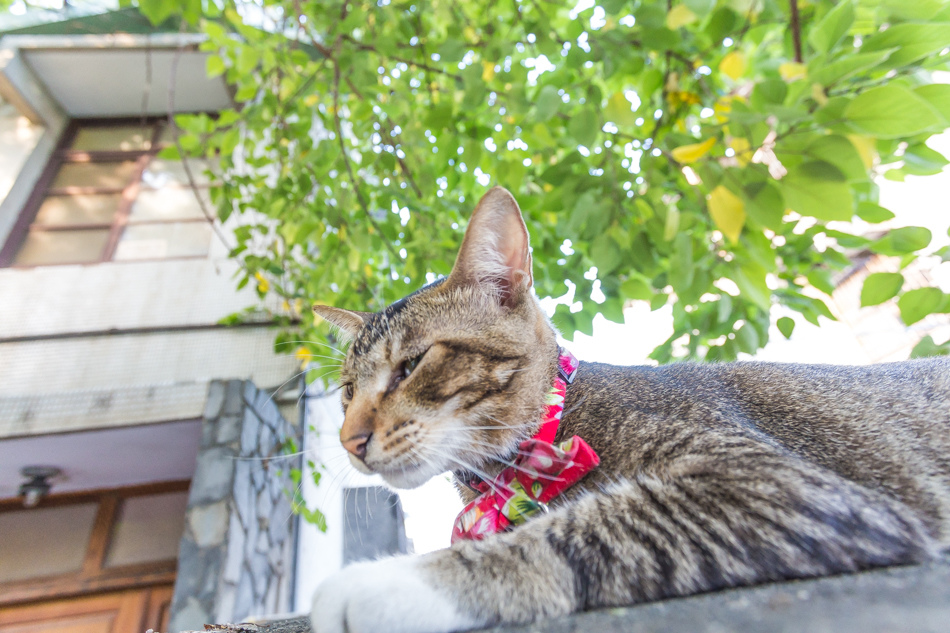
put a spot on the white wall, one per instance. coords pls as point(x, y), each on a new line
point(18, 137)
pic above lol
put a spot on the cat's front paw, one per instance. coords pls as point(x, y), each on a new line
point(391, 596)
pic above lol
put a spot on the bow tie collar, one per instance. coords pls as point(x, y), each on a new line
point(540, 472)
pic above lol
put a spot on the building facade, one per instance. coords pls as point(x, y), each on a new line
point(144, 475)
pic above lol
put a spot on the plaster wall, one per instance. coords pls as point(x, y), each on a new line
point(18, 138)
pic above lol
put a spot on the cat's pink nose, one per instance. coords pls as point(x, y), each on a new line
point(357, 445)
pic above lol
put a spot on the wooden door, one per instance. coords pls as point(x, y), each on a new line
point(132, 611)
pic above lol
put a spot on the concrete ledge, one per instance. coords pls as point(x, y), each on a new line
point(900, 599)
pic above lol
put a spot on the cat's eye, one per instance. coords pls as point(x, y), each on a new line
point(348, 391)
point(410, 365)
point(404, 370)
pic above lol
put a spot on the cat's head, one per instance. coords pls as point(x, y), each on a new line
point(455, 375)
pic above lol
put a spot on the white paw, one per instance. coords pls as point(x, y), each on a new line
point(390, 596)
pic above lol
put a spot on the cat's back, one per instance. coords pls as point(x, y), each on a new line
point(886, 426)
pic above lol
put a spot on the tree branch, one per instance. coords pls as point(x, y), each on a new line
point(796, 31)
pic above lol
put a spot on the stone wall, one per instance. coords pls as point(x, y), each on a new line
point(237, 552)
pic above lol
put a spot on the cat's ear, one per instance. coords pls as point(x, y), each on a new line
point(348, 321)
point(495, 252)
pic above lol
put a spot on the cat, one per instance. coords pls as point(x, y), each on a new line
point(710, 475)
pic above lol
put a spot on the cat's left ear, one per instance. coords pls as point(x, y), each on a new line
point(495, 253)
point(348, 321)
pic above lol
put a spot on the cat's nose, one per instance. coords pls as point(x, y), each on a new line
point(357, 445)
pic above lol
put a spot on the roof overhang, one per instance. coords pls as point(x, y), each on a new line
point(113, 75)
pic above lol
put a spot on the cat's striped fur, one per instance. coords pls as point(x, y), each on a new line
point(711, 476)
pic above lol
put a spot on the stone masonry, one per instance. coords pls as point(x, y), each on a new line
point(236, 555)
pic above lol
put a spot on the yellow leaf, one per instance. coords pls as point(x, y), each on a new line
point(304, 356)
point(488, 71)
point(311, 100)
point(740, 145)
point(262, 284)
point(547, 187)
point(818, 94)
point(733, 65)
point(727, 211)
point(790, 71)
point(680, 15)
point(865, 147)
point(691, 153)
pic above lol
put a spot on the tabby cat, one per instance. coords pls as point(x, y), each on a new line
point(710, 476)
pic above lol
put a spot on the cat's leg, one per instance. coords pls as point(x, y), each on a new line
point(691, 529)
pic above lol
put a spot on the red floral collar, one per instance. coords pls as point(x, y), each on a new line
point(540, 472)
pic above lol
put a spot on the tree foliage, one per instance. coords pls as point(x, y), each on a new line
point(716, 155)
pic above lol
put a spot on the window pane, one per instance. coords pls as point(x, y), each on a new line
point(168, 203)
point(159, 241)
point(78, 209)
point(160, 173)
point(44, 541)
point(62, 247)
point(121, 137)
point(147, 529)
point(113, 175)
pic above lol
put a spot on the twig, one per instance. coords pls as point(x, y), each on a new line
point(796, 31)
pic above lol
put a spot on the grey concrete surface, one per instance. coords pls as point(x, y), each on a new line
point(895, 600)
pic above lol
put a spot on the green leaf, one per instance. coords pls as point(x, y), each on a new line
point(938, 96)
point(818, 189)
point(583, 127)
point(920, 160)
point(891, 111)
point(765, 205)
point(915, 10)
point(873, 213)
point(879, 287)
point(927, 347)
point(636, 288)
point(901, 241)
point(214, 65)
point(840, 152)
point(157, 11)
point(914, 40)
point(747, 338)
point(917, 304)
point(750, 278)
point(681, 263)
point(563, 320)
point(821, 280)
point(605, 253)
point(547, 103)
point(247, 59)
point(786, 325)
point(619, 110)
point(840, 69)
point(832, 27)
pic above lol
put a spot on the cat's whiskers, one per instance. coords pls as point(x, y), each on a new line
point(489, 481)
point(514, 465)
point(340, 352)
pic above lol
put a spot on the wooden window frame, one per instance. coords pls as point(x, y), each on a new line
point(93, 576)
point(63, 155)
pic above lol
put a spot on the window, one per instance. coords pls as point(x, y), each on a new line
point(105, 196)
point(96, 541)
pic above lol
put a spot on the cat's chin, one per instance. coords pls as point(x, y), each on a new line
point(407, 479)
point(403, 478)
